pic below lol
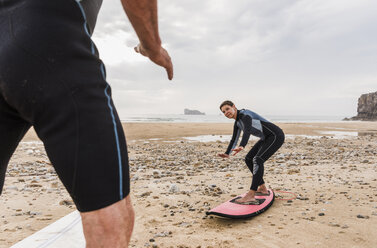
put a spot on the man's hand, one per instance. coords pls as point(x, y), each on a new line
point(143, 17)
point(223, 155)
point(160, 58)
point(237, 150)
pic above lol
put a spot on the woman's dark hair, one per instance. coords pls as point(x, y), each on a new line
point(227, 102)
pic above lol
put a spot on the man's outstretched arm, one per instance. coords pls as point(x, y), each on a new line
point(143, 17)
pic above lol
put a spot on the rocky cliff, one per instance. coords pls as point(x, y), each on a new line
point(193, 112)
point(367, 107)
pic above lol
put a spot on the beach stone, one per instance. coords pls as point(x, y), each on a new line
point(173, 188)
point(12, 187)
point(145, 194)
point(362, 216)
point(157, 174)
point(54, 185)
point(321, 214)
point(34, 213)
point(135, 178)
point(34, 185)
point(302, 198)
point(66, 203)
point(163, 234)
point(334, 224)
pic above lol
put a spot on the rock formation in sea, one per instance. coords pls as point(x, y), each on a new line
point(366, 108)
point(192, 112)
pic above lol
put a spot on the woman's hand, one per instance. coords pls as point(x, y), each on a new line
point(223, 155)
point(237, 150)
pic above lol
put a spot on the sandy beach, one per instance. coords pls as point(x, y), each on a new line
point(330, 167)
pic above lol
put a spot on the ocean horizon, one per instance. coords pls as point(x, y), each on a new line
point(181, 118)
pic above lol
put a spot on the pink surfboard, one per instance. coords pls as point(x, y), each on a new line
point(231, 209)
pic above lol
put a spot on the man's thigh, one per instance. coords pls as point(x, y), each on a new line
point(85, 142)
point(12, 129)
point(55, 80)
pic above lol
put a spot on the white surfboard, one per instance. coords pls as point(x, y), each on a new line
point(65, 232)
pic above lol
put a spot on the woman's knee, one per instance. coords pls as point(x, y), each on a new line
point(248, 160)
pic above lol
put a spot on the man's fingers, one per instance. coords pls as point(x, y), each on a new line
point(162, 59)
point(137, 48)
point(167, 63)
point(140, 50)
point(169, 70)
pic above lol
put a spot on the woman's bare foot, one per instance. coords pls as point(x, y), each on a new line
point(262, 189)
point(248, 198)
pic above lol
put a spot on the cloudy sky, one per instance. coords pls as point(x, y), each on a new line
point(283, 57)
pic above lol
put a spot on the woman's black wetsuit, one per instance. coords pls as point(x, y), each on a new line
point(271, 139)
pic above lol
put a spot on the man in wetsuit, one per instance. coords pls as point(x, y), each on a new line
point(51, 78)
point(271, 139)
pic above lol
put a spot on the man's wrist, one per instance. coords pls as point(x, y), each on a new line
point(152, 50)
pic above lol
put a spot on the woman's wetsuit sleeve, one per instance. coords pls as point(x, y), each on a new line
point(247, 130)
point(235, 136)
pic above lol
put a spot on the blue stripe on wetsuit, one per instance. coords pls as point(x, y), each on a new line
point(108, 103)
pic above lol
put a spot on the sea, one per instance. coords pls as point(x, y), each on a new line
point(181, 118)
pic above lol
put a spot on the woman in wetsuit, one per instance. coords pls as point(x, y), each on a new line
point(271, 139)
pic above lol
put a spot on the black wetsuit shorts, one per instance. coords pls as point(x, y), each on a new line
point(51, 78)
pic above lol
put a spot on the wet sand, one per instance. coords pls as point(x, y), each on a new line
point(175, 181)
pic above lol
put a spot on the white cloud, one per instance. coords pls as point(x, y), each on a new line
point(280, 57)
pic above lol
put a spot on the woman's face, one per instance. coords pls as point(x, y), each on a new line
point(229, 111)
